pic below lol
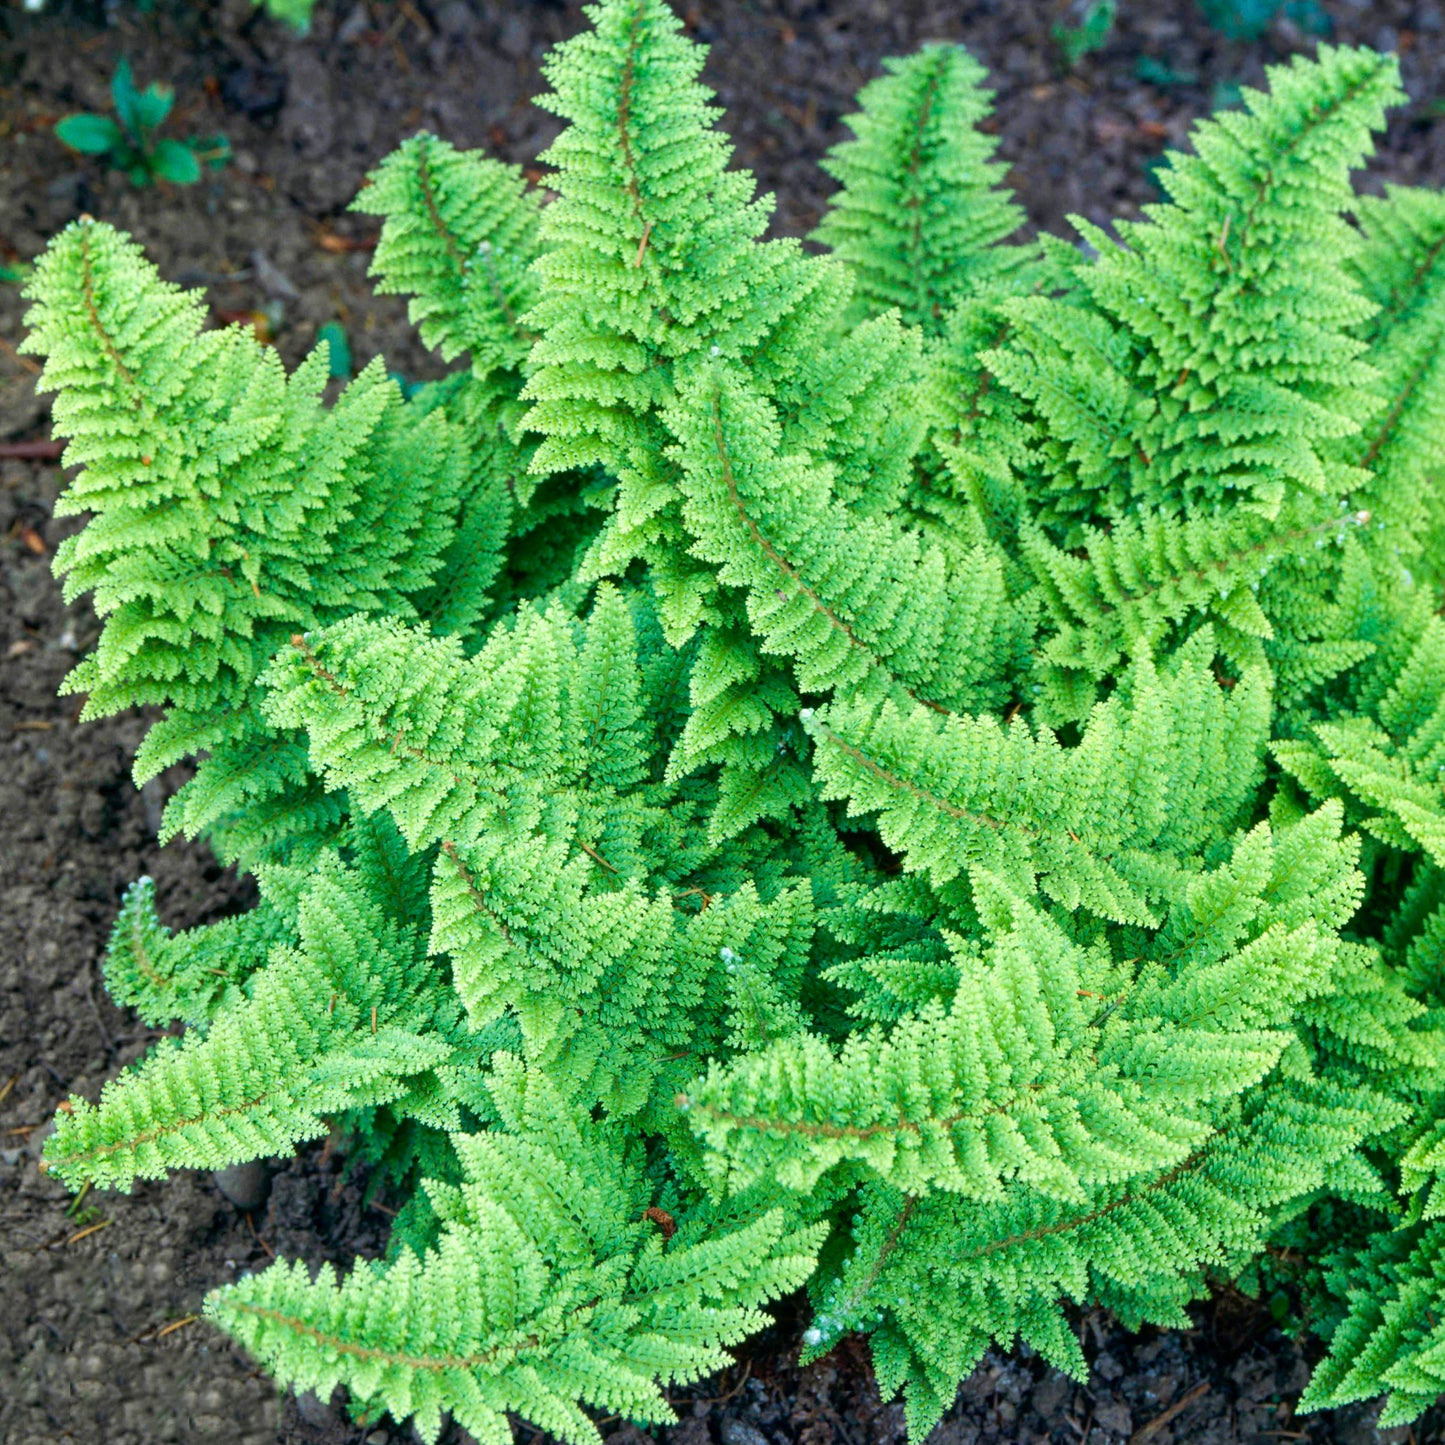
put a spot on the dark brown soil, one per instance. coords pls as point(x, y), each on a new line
point(87, 1293)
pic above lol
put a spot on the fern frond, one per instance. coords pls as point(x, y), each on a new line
point(524, 765)
point(459, 236)
point(919, 215)
point(165, 976)
point(849, 599)
point(1053, 1068)
point(328, 1025)
point(1393, 1334)
point(549, 1284)
point(1401, 268)
point(1092, 826)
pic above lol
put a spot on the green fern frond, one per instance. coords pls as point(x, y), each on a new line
point(1393, 1335)
point(165, 976)
point(1401, 268)
point(849, 599)
point(550, 1283)
point(919, 216)
point(1092, 826)
point(328, 1025)
point(460, 234)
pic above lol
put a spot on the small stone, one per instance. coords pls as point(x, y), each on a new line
point(1114, 1416)
point(515, 40)
point(693, 1430)
point(735, 1431)
point(457, 20)
point(258, 91)
point(245, 1185)
point(35, 1140)
point(274, 281)
point(1051, 1393)
point(356, 24)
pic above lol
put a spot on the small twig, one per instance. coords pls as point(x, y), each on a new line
point(24, 533)
point(88, 1230)
point(416, 18)
point(41, 450)
point(8, 1085)
point(270, 1253)
point(736, 1389)
point(339, 245)
point(152, 1333)
point(593, 853)
point(1149, 1431)
point(28, 363)
point(642, 246)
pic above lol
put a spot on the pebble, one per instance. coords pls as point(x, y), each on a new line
point(245, 1185)
point(735, 1431)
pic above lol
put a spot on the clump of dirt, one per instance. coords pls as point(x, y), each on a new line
point(97, 1339)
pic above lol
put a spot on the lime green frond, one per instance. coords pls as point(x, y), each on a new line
point(919, 215)
point(459, 236)
point(331, 1023)
point(556, 1282)
point(1100, 826)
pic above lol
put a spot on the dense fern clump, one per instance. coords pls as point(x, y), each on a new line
point(913, 772)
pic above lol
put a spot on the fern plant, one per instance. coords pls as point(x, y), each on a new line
point(912, 772)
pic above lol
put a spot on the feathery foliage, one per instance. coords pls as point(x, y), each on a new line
point(919, 217)
point(913, 771)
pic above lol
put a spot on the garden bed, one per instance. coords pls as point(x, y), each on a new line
point(97, 1339)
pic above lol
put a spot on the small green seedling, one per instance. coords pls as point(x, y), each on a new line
point(1153, 71)
point(1251, 19)
point(130, 142)
point(333, 333)
point(1090, 34)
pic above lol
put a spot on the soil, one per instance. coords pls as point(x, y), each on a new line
point(97, 1296)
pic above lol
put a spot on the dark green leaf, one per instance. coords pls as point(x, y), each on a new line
point(125, 97)
point(92, 135)
point(153, 105)
point(174, 161)
point(333, 333)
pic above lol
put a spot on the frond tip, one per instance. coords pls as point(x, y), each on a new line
point(549, 1285)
